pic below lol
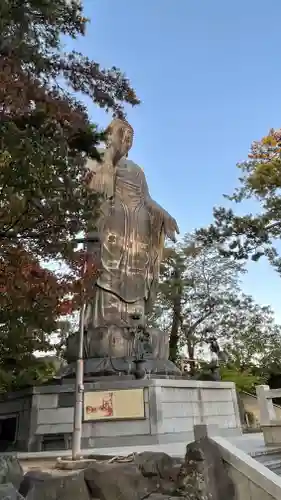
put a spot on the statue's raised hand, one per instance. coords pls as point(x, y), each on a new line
point(101, 178)
point(170, 227)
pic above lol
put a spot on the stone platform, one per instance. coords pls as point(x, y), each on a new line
point(44, 415)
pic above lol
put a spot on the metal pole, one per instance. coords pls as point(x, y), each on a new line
point(79, 390)
point(79, 383)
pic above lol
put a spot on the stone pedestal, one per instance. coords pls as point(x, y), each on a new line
point(126, 367)
point(171, 408)
point(112, 352)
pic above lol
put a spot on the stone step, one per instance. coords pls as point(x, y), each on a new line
point(266, 455)
point(273, 464)
point(270, 459)
point(276, 470)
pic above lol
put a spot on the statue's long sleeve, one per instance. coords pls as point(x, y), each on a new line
point(155, 209)
point(157, 216)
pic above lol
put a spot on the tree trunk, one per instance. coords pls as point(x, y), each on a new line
point(190, 350)
point(176, 323)
point(174, 336)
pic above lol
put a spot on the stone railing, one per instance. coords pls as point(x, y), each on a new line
point(252, 480)
point(270, 424)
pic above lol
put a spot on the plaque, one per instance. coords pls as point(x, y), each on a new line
point(125, 404)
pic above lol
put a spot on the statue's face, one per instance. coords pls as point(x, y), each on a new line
point(126, 141)
point(120, 140)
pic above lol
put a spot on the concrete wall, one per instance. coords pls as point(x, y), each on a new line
point(172, 408)
point(185, 403)
point(252, 480)
point(56, 410)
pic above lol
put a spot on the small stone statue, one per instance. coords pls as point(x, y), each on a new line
point(132, 229)
point(216, 355)
point(213, 368)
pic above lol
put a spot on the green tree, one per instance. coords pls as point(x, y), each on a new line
point(245, 380)
point(200, 297)
point(196, 289)
point(46, 137)
point(255, 339)
point(253, 235)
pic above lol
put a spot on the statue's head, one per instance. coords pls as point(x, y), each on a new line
point(120, 136)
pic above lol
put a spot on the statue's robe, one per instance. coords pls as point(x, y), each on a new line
point(132, 239)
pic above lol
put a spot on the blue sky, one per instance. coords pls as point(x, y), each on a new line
point(208, 73)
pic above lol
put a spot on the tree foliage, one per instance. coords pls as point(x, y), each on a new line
point(253, 235)
point(46, 137)
point(196, 288)
point(45, 131)
point(200, 297)
point(255, 338)
point(244, 380)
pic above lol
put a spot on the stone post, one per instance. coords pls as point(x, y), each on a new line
point(267, 413)
point(204, 430)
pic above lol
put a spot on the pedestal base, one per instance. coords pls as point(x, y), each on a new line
point(122, 367)
point(154, 411)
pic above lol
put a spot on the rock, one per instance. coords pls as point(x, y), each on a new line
point(159, 496)
point(203, 475)
point(10, 471)
point(157, 464)
point(118, 481)
point(31, 478)
point(68, 487)
point(166, 487)
point(160, 466)
point(9, 492)
point(6, 446)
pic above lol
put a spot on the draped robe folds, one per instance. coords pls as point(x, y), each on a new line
point(132, 239)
